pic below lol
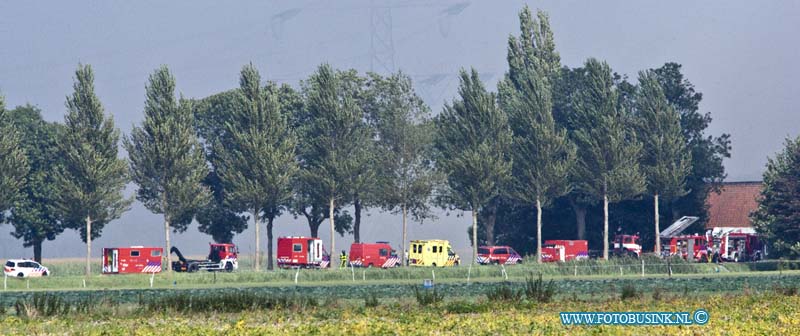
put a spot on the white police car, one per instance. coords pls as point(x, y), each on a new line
point(24, 268)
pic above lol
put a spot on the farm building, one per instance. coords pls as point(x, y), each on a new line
point(730, 208)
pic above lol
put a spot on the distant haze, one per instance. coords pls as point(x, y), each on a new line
point(741, 55)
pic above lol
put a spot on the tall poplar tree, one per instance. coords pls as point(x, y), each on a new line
point(608, 151)
point(257, 163)
point(542, 153)
point(217, 219)
point(166, 158)
point(665, 160)
point(91, 180)
point(405, 134)
point(334, 138)
point(364, 161)
point(708, 151)
point(472, 149)
point(778, 214)
point(13, 162)
point(34, 215)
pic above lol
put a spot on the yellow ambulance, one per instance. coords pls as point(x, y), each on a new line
point(432, 253)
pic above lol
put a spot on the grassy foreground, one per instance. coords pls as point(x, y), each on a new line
point(756, 313)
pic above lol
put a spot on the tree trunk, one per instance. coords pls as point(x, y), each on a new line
point(313, 223)
point(333, 243)
point(257, 264)
point(491, 219)
point(474, 235)
point(538, 231)
point(314, 229)
point(580, 218)
point(37, 251)
point(169, 245)
point(270, 219)
point(88, 246)
point(657, 249)
point(605, 227)
point(403, 242)
point(357, 223)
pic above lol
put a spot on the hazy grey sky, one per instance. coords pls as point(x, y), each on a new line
point(740, 54)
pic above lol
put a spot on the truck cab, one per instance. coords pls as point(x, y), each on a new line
point(627, 245)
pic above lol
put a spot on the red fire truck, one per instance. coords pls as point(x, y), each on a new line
point(736, 244)
point(134, 259)
point(379, 254)
point(679, 246)
point(627, 246)
point(221, 257)
point(303, 252)
point(564, 250)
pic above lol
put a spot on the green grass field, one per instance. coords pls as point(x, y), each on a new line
point(68, 275)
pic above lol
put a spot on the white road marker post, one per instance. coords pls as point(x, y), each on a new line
point(152, 277)
point(353, 270)
point(433, 275)
point(469, 273)
point(296, 275)
point(503, 272)
point(84, 283)
point(364, 275)
point(28, 283)
point(576, 270)
point(642, 267)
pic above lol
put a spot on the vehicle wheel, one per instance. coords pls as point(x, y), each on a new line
point(519, 261)
point(44, 273)
point(369, 266)
point(193, 268)
point(229, 267)
point(20, 275)
point(433, 264)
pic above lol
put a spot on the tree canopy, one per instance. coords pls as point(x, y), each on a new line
point(778, 211)
point(472, 144)
point(13, 162)
point(166, 159)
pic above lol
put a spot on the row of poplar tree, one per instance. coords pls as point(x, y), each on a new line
point(550, 135)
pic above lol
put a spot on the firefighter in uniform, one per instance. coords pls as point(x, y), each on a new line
point(343, 259)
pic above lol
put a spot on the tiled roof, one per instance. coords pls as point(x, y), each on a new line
point(733, 205)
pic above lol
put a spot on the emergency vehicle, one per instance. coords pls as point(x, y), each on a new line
point(23, 268)
point(627, 246)
point(498, 255)
point(564, 250)
point(432, 253)
point(680, 245)
point(379, 254)
point(303, 252)
point(221, 257)
point(736, 244)
point(134, 259)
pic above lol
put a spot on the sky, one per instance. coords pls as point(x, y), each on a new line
point(739, 54)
